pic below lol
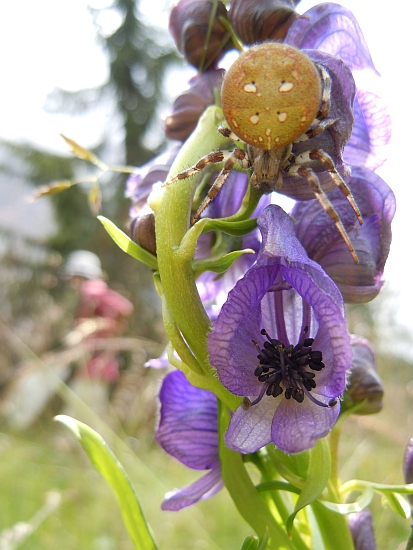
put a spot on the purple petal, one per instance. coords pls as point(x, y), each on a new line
point(332, 29)
point(323, 243)
point(371, 132)
point(297, 426)
point(203, 488)
point(249, 430)
point(139, 184)
point(189, 106)
point(361, 528)
point(188, 427)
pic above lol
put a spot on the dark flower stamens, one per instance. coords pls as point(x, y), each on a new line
point(286, 369)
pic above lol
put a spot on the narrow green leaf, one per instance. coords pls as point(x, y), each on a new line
point(110, 468)
point(398, 503)
point(126, 244)
point(95, 199)
point(250, 543)
point(83, 153)
point(319, 470)
point(53, 188)
point(234, 228)
point(219, 265)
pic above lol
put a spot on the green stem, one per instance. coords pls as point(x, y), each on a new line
point(333, 528)
point(247, 499)
point(172, 217)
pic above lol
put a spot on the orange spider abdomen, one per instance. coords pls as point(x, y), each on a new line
point(270, 95)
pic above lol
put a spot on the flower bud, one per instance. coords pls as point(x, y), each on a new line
point(190, 105)
point(143, 232)
point(202, 44)
point(256, 21)
point(408, 467)
point(364, 383)
point(361, 528)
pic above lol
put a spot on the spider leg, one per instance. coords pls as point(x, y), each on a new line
point(319, 154)
point(212, 158)
point(226, 132)
point(321, 196)
point(316, 130)
point(238, 155)
point(325, 95)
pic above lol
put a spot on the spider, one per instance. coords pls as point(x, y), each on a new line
point(272, 97)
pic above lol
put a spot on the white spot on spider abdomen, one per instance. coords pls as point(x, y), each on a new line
point(254, 119)
point(250, 88)
point(285, 87)
point(282, 117)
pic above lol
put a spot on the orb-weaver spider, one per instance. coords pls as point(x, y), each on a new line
point(272, 97)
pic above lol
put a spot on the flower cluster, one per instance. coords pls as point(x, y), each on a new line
point(275, 333)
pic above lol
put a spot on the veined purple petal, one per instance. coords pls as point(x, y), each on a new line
point(188, 425)
point(371, 132)
point(333, 29)
point(203, 488)
point(358, 282)
point(288, 295)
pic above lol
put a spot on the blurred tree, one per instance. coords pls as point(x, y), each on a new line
point(138, 57)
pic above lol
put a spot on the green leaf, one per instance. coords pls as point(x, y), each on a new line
point(319, 470)
point(110, 468)
point(53, 188)
point(250, 543)
point(126, 244)
point(219, 265)
point(83, 153)
point(95, 199)
point(234, 228)
point(398, 503)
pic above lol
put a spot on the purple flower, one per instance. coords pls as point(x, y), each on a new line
point(361, 528)
point(190, 105)
point(333, 29)
point(408, 467)
point(140, 184)
point(188, 431)
point(358, 282)
point(291, 312)
point(365, 385)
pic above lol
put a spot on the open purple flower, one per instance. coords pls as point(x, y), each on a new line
point(280, 341)
point(188, 430)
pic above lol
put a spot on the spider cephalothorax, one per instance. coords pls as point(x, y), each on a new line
point(274, 96)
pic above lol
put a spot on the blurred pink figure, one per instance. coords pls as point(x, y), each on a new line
point(101, 314)
point(109, 309)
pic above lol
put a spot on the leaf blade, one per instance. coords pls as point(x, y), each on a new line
point(110, 468)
